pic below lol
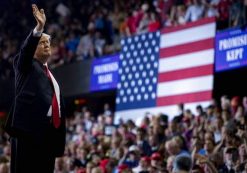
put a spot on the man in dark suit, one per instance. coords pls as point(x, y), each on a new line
point(36, 123)
point(231, 159)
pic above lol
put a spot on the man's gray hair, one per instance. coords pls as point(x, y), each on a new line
point(182, 162)
point(47, 35)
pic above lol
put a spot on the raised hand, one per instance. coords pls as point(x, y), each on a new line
point(39, 16)
point(201, 159)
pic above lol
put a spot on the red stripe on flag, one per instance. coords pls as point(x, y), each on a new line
point(188, 25)
point(184, 98)
point(187, 48)
point(186, 73)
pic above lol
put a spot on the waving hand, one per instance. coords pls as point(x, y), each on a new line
point(39, 16)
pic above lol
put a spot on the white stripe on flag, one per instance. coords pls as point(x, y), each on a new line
point(189, 85)
point(183, 61)
point(138, 114)
point(187, 35)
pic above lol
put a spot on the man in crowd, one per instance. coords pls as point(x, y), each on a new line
point(182, 164)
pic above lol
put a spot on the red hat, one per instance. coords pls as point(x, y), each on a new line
point(143, 126)
point(103, 164)
point(146, 159)
point(81, 171)
point(122, 167)
point(156, 156)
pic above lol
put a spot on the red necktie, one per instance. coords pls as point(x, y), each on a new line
point(55, 107)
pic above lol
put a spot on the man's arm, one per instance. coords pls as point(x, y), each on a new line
point(204, 160)
point(23, 61)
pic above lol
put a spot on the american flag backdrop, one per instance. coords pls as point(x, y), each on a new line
point(161, 69)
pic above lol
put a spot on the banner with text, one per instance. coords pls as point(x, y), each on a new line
point(104, 73)
point(230, 49)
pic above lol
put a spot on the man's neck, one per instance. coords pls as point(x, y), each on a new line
point(40, 60)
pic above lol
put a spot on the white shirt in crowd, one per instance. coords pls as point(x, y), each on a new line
point(194, 12)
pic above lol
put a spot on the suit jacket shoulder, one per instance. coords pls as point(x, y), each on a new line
point(23, 60)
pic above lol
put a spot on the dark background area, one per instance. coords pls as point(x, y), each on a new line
point(231, 83)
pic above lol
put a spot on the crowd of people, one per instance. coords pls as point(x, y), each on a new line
point(85, 29)
point(214, 139)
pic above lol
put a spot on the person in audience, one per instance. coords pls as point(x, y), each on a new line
point(182, 164)
point(231, 159)
point(195, 11)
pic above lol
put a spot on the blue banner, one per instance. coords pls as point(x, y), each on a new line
point(230, 49)
point(104, 73)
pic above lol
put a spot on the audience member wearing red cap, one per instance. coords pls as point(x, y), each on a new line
point(122, 168)
point(103, 164)
point(144, 165)
point(156, 156)
point(156, 161)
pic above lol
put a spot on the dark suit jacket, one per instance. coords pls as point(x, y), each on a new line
point(224, 169)
point(33, 97)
